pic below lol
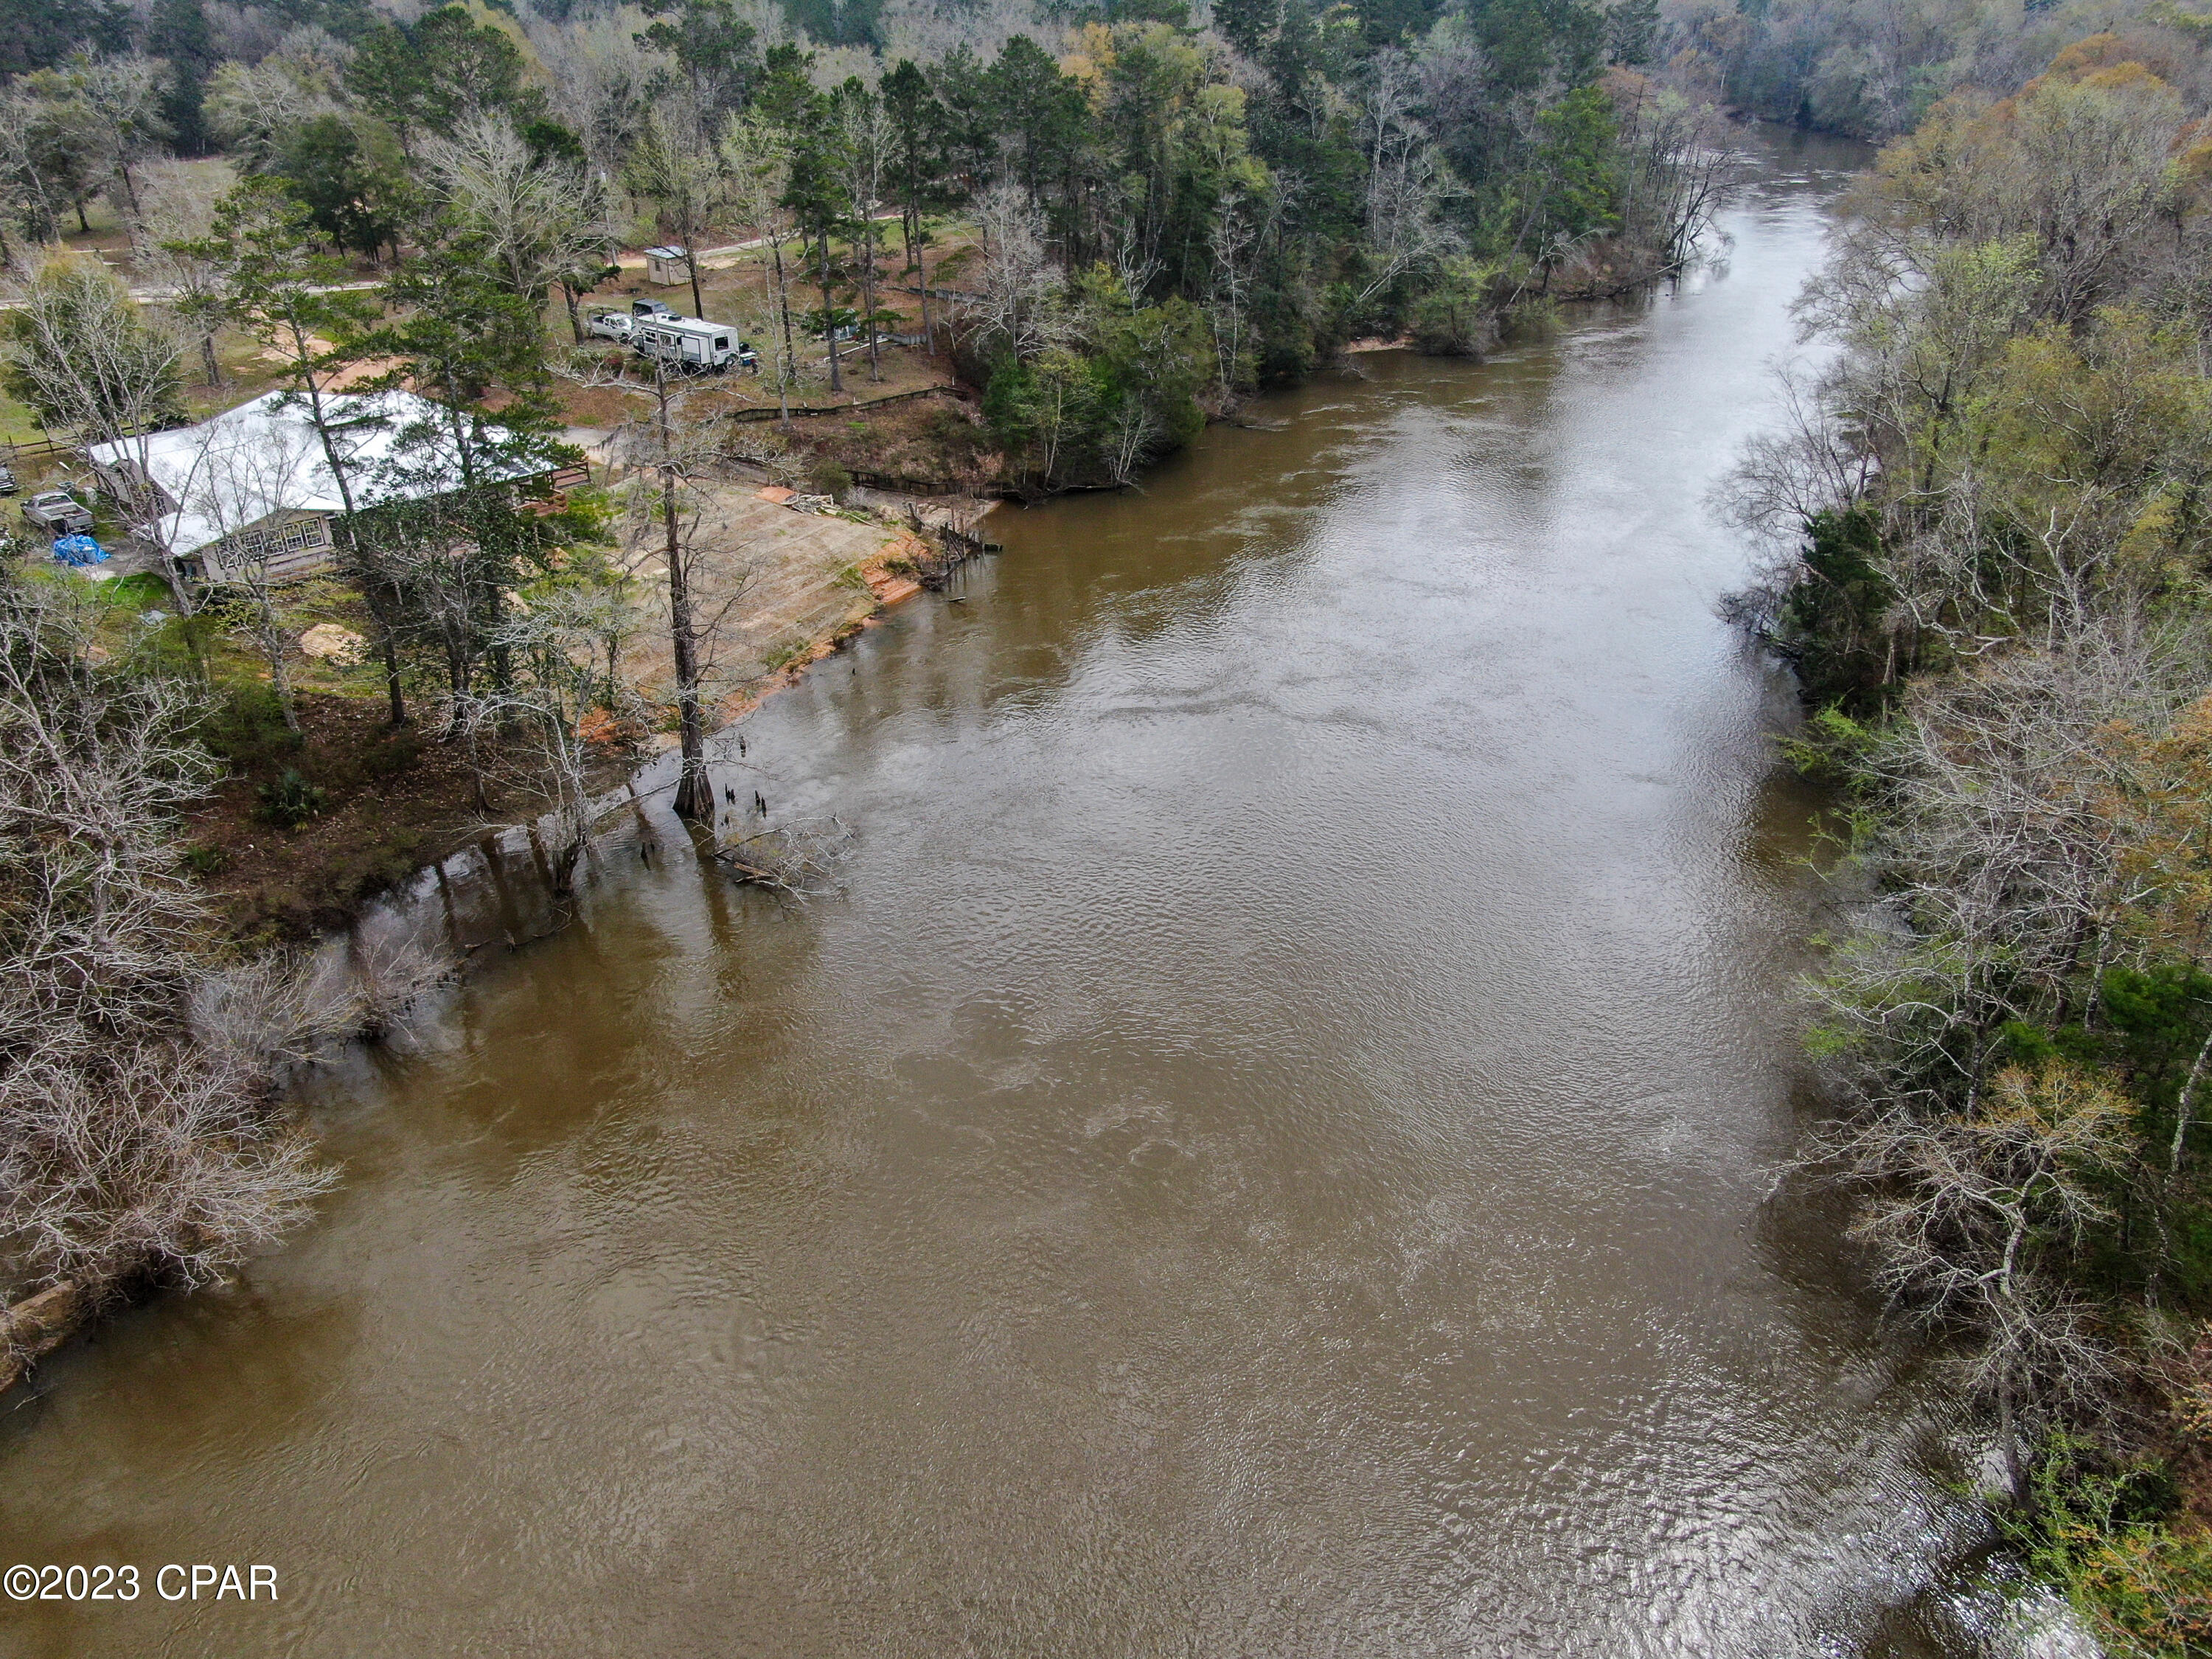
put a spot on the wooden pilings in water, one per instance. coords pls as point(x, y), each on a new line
point(952, 543)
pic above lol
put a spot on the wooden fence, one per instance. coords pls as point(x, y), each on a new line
point(31, 458)
point(892, 482)
point(798, 414)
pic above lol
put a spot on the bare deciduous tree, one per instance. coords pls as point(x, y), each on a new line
point(867, 134)
point(255, 107)
point(27, 190)
point(127, 1145)
point(606, 77)
point(176, 212)
point(92, 361)
point(674, 163)
point(673, 449)
point(538, 720)
point(1406, 181)
point(235, 489)
point(544, 222)
point(1968, 1213)
point(1019, 282)
point(99, 367)
point(124, 95)
point(757, 158)
point(1129, 439)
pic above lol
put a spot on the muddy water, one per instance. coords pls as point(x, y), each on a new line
point(1268, 1158)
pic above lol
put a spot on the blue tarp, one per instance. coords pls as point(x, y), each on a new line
point(79, 551)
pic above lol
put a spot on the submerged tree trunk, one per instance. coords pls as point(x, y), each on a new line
point(694, 794)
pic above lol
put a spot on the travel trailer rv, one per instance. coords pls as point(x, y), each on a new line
point(687, 342)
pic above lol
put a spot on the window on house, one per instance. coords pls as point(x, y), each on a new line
point(276, 541)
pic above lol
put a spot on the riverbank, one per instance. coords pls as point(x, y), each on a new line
point(379, 802)
point(393, 804)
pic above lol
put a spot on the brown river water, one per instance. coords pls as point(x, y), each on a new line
point(1272, 1154)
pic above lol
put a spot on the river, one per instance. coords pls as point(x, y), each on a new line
point(1270, 1155)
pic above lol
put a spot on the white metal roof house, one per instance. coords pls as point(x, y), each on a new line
point(252, 486)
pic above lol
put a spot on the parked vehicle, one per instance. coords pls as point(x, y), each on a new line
point(611, 325)
point(639, 308)
point(687, 343)
point(8, 484)
point(58, 514)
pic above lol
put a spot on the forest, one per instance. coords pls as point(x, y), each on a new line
point(1988, 507)
point(1226, 205)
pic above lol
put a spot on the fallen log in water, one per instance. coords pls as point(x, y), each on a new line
point(37, 1326)
point(802, 860)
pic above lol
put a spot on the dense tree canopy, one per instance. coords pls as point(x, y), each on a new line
point(1992, 501)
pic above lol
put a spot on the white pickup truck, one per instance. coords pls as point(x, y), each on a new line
point(611, 325)
point(58, 513)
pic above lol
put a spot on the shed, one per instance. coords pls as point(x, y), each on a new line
point(667, 267)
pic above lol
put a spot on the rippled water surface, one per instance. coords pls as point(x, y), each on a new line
point(1268, 1158)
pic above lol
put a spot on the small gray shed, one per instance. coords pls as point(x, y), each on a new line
point(667, 267)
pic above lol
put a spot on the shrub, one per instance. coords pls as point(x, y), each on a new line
point(2107, 1534)
point(290, 801)
point(395, 754)
point(1529, 322)
point(830, 478)
point(1452, 320)
point(247, 727)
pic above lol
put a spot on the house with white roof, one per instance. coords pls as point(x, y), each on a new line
point(250, 491)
